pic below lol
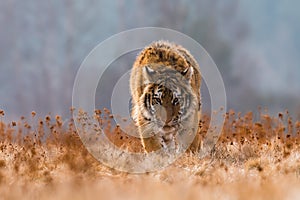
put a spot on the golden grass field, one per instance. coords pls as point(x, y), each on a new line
point(44, 159)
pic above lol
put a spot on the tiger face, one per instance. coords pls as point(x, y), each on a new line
point(167, 99)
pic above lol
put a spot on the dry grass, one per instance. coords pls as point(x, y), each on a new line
point(45, 159)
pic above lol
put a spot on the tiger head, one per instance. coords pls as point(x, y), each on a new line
point(167, 98)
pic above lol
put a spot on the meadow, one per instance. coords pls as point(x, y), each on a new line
point(44, 158)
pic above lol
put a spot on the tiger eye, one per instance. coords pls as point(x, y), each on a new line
point(175, 100)
point(157, 100)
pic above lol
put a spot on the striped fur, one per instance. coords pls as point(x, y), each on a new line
point(165, 88)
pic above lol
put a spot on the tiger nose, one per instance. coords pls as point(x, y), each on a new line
point(168, 128)
point(166, 115)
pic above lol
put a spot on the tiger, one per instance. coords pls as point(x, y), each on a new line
point(165, 82)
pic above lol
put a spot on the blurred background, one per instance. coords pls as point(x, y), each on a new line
point(254, 43)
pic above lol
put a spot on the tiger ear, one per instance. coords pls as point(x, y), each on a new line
point(188, 73)
point(148, 73)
